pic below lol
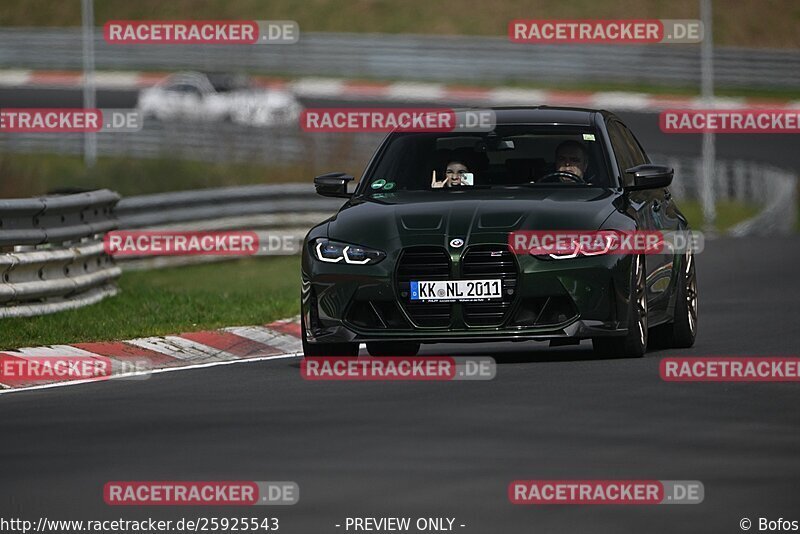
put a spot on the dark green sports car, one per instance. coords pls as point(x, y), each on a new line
point(420, 252)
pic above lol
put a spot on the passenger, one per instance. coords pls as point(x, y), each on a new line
point(454, 176)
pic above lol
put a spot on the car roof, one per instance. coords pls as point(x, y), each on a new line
point(547, 115)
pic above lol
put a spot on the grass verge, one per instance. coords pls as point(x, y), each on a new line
point(167, 301)
point(728, 213)
point(35, 174)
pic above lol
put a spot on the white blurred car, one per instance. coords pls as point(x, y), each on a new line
point(197, 96)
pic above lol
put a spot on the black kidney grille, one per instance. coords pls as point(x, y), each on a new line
point(490, 261)
point(430, 261)
point(424, 263)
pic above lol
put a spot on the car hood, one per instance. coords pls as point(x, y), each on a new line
point(415, 217)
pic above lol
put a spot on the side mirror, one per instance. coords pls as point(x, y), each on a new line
point(333, 184)
point(649, 176)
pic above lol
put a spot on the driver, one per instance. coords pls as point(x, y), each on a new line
point(454, 176)
point(572, 157)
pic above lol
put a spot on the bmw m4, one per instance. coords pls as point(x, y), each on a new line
point(420, 252)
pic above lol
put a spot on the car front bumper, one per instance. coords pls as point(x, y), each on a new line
point(549, 300)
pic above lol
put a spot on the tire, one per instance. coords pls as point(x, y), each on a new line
point(634, 343)
point(682, 331)
point(325, 349)
point(408, 348)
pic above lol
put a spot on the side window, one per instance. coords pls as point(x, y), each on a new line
point(635, 149)
point(622, 152)
point(184, 89)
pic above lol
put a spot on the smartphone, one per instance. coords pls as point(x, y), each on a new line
point(468, 178)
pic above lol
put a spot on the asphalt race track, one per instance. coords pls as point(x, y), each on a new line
point(445, 448)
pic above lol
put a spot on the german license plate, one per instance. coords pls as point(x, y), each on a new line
point(457, 290)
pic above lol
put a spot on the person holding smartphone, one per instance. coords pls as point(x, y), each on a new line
point(456, 174)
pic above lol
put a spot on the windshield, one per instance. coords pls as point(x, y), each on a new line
point(509, 156)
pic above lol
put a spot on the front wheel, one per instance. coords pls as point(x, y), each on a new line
point(681, 332)
point(634, 343)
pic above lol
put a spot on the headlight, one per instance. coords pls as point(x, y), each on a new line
point(567, 246)
point(336, 252)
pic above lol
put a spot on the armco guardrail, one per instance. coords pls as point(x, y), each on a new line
point(417, 57)
point(779, 215)
point(51, 253)
point(286, 209)
point(771, 188)
point(221, 204)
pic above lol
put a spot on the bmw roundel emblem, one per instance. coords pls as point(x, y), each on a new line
point(456, 243)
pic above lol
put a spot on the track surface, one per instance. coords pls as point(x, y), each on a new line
point(445, 449)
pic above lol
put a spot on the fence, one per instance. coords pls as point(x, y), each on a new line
point(417, 57)
point(217, 142)
point(51, 253)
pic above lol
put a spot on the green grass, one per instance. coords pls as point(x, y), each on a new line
point(797, 221)
point(728, 213)
point(760, 23)
point(797, 218)
point(168, 301)
point(34, 174)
